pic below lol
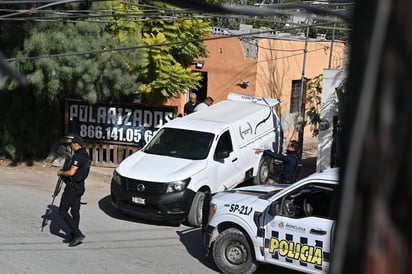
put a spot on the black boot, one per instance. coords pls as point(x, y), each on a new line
point(69, 238)
point(77, 240)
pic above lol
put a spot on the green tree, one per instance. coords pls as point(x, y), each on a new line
point(89, 77)
point(173, 40)
point(151, 57)
point(313, 103)
point(32, 117)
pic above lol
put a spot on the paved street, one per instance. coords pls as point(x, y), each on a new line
point(113, 244)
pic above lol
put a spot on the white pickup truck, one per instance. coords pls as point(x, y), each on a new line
point(284, 225)
point(200, 154)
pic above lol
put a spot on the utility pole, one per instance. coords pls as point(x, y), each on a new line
point(331, 46)
point(332, 41)
point(301, 128)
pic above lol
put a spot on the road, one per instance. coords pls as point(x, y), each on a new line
point(114, 243)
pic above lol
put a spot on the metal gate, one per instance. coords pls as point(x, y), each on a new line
point(109, 155)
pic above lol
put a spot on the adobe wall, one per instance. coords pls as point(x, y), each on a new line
point(281, 61)
point(270, 75)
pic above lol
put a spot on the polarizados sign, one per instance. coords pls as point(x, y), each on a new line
point(116, 123)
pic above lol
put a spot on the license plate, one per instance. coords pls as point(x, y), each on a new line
point(138, 200)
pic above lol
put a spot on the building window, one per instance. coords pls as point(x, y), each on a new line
point(296, 96)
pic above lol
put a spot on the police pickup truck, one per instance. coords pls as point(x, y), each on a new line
point(285, 225)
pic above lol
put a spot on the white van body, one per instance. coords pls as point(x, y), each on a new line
point(202, 153)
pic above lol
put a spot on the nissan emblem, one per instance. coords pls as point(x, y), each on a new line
point(140, 187)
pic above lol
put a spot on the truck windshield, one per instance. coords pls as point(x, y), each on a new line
point(180, 143)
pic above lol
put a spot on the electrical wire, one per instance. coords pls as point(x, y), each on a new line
point(120, 48)
point(274, 9)
point(154, 13)
point(251, 11)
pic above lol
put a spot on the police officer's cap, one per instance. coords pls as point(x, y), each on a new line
point(78, 140)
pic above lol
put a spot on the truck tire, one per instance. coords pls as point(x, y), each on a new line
point(232, 253)
point(195, 216)
point(262, 175)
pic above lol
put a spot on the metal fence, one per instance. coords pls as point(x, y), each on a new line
point(109, 155)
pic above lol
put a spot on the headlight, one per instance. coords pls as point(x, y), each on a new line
point(177, 185)
point(117, 178)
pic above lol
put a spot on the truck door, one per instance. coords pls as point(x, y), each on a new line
point(299, 234)
point(225, 160)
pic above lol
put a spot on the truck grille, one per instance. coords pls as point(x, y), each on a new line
point(144, 187)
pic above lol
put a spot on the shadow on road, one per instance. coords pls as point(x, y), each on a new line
point(56, 225)
point(192, 239)
point(106, 206)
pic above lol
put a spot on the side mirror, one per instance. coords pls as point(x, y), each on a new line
point(222, 154)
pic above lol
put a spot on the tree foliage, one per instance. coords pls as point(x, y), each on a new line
point(89, 77)
point(65, 59)
point(313, 103)
point(172, 46)
point(171, 42)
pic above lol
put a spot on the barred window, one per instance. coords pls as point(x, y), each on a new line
point(295, 96)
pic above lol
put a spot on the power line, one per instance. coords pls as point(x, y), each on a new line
point(274, 9)
point(136, 17)
point(118, 49)
point(89, 52)
point(210, 9)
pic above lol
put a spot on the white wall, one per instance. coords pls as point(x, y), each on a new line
point(329, 108)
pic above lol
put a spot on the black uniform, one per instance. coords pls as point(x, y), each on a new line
point(73, 192)
point(290, 163)
point(189, 107)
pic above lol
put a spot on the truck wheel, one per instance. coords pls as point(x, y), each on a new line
point(195, 216)
point(262, 175)
point(232, 253)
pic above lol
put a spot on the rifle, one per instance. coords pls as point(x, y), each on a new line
point(56, 192)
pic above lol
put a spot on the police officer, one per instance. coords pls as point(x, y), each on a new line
point(74, 189)
point(290, 161)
